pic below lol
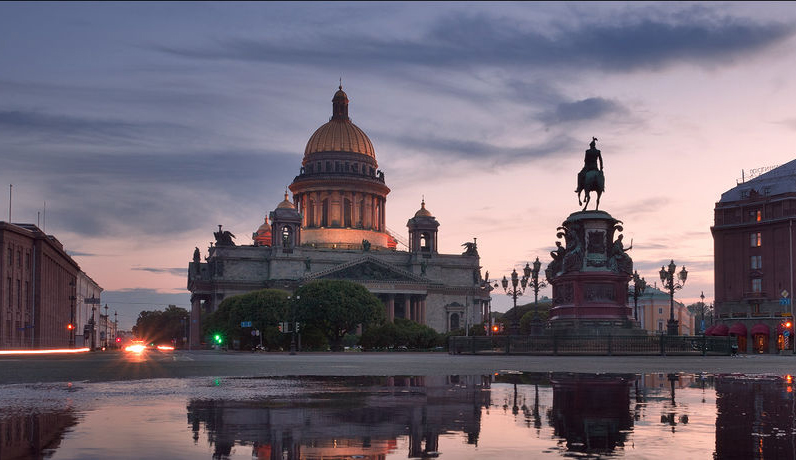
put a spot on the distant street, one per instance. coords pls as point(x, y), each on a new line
point(108, 366)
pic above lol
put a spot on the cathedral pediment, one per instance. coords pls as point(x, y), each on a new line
point(368, 269)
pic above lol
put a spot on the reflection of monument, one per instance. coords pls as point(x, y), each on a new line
point(589, 274)
point(754, 417)
point(591, 411)
point(328, 423)
point(33, 435)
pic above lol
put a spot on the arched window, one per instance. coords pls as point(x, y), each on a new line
point(286, 237)
point(347, 212)
point(425, 242)
point(454, 321)
point(325, 213)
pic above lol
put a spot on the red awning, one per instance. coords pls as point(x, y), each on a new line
point(721, 330)
point(709, 331)
point(738, 329)
point(761, 329)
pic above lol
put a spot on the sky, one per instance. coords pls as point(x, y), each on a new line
point(141, 127)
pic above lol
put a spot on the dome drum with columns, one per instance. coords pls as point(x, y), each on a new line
point(334, 228)
point(340, 192)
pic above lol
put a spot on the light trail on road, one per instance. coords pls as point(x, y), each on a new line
point(44, 352)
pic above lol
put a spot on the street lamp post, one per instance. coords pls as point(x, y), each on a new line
point(93, 328)
point(702, 309)
point(535, 284)
point(517, 289)
point(106, 326)
point(671, 285)
point(639, 286)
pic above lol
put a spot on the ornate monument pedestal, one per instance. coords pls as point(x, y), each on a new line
point(589, 277)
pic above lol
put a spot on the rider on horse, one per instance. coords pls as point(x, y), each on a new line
point(593, 182)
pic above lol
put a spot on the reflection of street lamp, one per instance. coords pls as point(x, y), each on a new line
point(535, 284)
point(517, 289)
point(639, 286)
point(293, 330)
point(669, 283)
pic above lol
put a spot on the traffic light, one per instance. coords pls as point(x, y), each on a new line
point(70, 326)
point(218, 338)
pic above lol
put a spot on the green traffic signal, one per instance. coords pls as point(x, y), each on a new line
point(218, 338)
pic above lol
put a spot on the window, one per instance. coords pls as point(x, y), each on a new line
point(660, 310)
point(744, 194)
point(756, 239)
point(660, 326)
point(758, 215)
point(757, 285)
point(756, 262)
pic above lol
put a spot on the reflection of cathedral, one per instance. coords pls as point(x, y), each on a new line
point(366, 423)
point(335, 227)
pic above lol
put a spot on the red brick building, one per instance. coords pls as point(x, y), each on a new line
point(753, 241)
point(37, 293)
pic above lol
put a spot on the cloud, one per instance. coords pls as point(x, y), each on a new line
point(461, 40)
point(479, 151)
point(176, 271)
point(152, 195)
point(583, 110)
point(32, 126)
point(130, 302)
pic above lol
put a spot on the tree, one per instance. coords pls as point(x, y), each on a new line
point(264, 308)
point(337, 307)
point(166, 326)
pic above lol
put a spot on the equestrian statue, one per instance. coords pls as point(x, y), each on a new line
point(591, 178)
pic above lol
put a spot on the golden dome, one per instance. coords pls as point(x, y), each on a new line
point(286, 204)
point(423, 212)
point(340, 134)
point(262, 237)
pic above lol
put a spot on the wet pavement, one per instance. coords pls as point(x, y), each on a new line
point(102, 366)
point(512, 414)
point(216, 404)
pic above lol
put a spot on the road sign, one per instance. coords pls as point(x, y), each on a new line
point(786, 333)
point(245, 324)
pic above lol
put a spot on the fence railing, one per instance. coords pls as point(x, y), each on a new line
point(592, 345)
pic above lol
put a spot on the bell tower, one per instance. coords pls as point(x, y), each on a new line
point(423, 231)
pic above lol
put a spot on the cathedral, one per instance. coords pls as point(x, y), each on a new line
point(334, 228)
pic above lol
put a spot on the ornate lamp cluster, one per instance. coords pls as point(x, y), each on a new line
point(515, 287)
point(639, 286)
point(671, 285)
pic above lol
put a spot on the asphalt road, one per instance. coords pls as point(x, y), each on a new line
point(109, 366)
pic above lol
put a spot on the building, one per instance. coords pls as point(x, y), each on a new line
point(87, 304)
point(38, 289)
point(654, 311)
point(753, 235)
point(335, 228)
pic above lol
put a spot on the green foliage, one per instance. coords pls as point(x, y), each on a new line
point(527, 319)
point(264, 308)
point(162, 326)
point(402, 333)
point(313, 339)
point(337, 307)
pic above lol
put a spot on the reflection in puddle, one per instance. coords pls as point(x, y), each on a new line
point(526, 415)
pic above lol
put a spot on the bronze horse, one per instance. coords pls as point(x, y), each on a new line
point(593, 181)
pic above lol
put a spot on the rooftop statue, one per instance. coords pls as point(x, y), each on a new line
point(591, 178)
point(224, 238)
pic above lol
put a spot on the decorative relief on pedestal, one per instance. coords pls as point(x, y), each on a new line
point(563, 294)
point(599, 292)
point(596, 242)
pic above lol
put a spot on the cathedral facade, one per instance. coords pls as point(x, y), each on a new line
point(335, 228)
